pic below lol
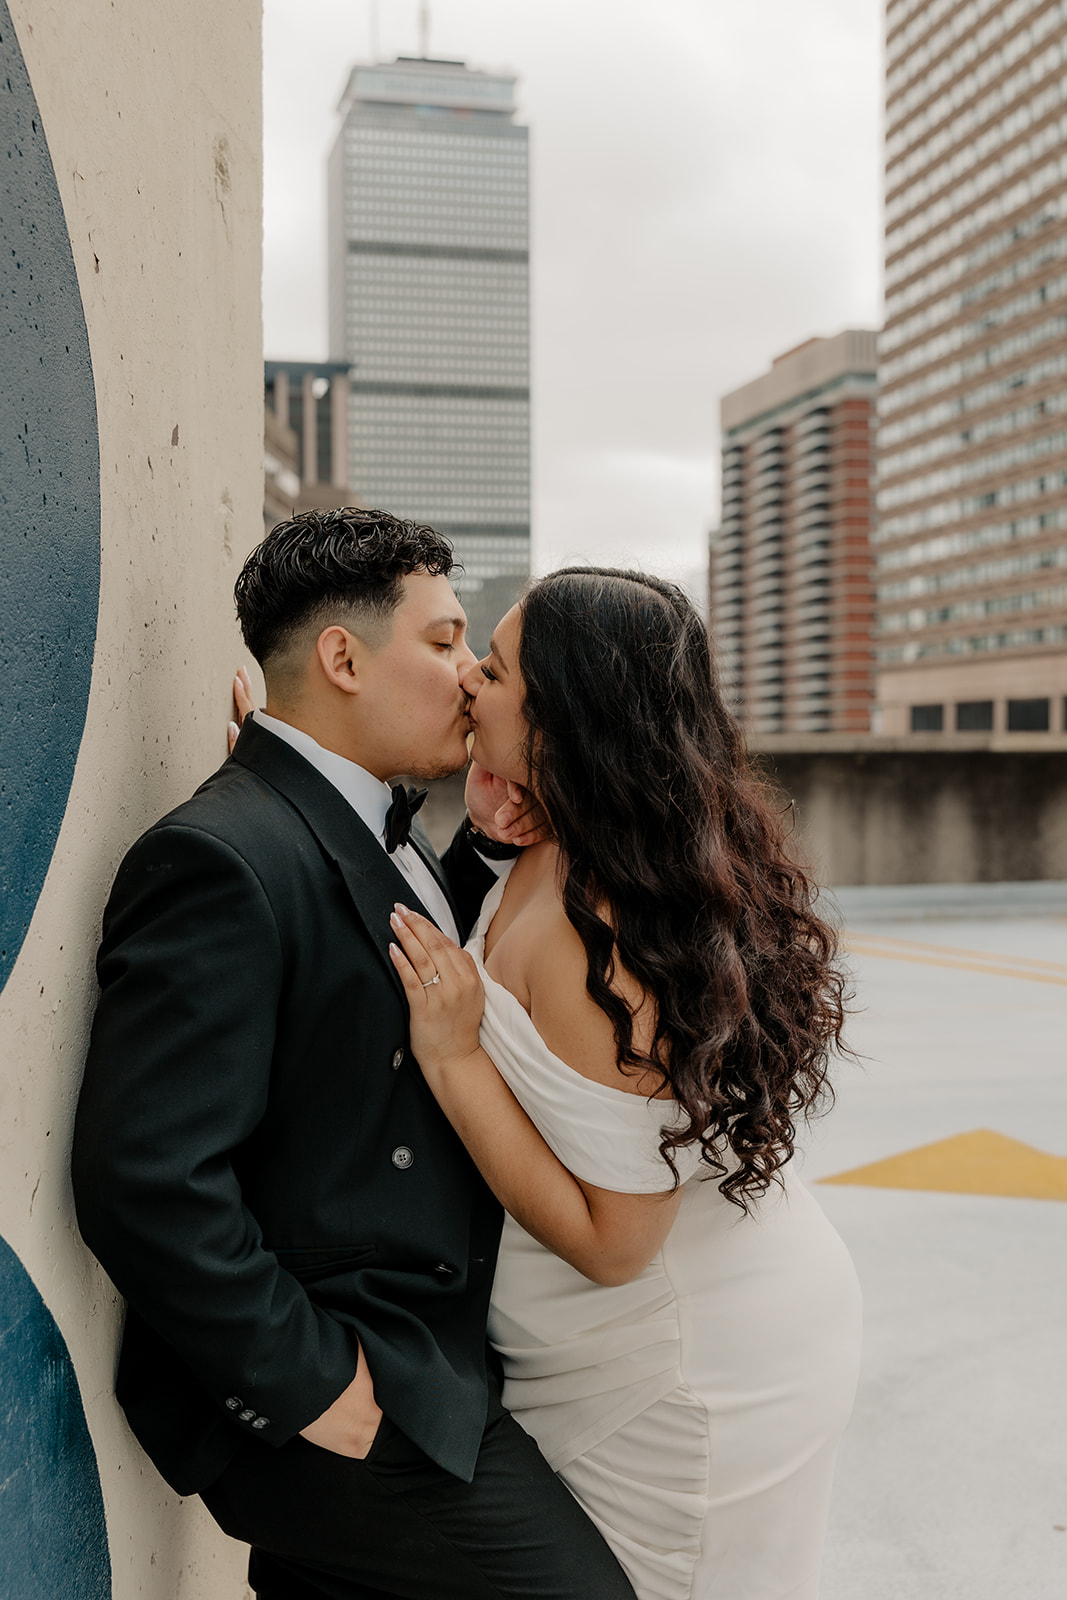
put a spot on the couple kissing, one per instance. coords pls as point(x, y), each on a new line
point(451, 1199)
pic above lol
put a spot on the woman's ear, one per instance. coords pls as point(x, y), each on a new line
point(339, 653)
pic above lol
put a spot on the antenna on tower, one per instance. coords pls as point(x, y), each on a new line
point(424, 29)
point(375, 40)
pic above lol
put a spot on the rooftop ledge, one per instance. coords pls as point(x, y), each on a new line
point(870, 744)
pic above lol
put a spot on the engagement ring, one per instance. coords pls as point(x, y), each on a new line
point(431, 981)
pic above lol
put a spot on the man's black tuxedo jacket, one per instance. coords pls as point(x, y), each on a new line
point(258, 1163)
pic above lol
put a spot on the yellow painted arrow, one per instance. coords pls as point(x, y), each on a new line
point(981, 1162)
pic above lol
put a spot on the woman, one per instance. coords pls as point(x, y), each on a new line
point(645, 1008)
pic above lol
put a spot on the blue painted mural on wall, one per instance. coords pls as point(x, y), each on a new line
point(49, 505)
point(53, 1538)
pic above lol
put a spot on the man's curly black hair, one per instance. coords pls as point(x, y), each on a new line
point(323, 567)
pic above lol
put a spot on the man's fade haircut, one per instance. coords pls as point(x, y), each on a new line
point(325, 567)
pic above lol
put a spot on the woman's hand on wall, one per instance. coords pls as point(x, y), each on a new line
point(243, 704)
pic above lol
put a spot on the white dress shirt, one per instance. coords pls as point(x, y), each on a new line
point(370, 800)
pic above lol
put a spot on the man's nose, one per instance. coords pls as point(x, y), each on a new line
point(470, 676)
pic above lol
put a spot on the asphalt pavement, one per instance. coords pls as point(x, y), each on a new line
point(952, 1479)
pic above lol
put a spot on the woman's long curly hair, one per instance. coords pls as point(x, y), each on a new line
point(675, 867)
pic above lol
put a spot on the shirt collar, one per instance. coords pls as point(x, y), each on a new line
point(368, 796)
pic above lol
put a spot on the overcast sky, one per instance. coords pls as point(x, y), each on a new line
point(706, 194)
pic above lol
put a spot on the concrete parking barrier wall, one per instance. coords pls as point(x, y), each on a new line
point(130, 489)
point(884, 810)
point(875, 810)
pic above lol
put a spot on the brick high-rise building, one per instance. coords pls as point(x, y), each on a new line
point(791, 597)
point(971, 541)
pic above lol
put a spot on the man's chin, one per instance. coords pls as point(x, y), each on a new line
point(444, 767)
point(431, 774)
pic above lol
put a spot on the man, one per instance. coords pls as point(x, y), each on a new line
point(306, 1249)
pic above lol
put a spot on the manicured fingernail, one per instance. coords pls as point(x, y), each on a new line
point(403, 910)
point(395, 950)
point(233, 729)
point(398, 922)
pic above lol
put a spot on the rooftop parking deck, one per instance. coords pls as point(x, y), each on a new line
point(952, 1480)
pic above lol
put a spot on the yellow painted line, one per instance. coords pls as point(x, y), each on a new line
point(982, 1162)
point(861, 949)
point(958, 950)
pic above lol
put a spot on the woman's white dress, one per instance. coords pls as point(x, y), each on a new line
point(694, 1412)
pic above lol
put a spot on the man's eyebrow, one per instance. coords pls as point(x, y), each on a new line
point(450, 622)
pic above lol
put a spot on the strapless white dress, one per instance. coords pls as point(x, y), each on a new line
point(694, 1412)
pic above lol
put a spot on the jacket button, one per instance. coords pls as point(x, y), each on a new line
point(233, 1404)
point(261, 1422)
point(245, 1416)
point(397, 1059)
point(402, 1157)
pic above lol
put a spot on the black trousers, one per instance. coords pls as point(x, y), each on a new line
point(395, 1524)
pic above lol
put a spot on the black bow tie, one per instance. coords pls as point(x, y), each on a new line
point(404, 805)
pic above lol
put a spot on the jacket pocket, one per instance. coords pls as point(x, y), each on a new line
point(321, 1263)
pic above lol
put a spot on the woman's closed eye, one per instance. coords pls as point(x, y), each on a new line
point(487, 672)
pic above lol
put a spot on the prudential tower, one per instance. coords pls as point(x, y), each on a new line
point(429, 302)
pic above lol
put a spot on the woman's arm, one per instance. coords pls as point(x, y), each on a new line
point(608, 1237)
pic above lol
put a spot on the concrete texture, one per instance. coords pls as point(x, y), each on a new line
point(952, 1481)
point(50, 494)
point(879, 812)
point(150, 118)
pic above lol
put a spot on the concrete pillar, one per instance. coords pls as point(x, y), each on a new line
point(309, 471)
point(339, 430)
point(131, 472)
point(281, 396)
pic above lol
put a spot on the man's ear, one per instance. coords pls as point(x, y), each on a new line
point(341, 655)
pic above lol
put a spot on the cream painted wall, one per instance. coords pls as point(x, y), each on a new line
point(153, 118)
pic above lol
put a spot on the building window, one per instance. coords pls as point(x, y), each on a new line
point(927, 719)
point(974, 716)
point(1027, 716)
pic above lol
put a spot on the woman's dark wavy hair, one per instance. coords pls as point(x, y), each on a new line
point(325, 564)
point(675, 868)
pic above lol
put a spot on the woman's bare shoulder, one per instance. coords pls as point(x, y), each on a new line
point(569, 1021)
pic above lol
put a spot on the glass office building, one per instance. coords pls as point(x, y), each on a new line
point(971, 536)
point(429, 303)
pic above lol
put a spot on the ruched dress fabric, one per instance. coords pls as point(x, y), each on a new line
point(695, 1412)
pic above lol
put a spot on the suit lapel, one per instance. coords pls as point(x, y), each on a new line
point(420, 839)
point(372, 879)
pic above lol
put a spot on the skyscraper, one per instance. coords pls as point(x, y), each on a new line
point(429, 302)
point(971, 541)
point(791, 602)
